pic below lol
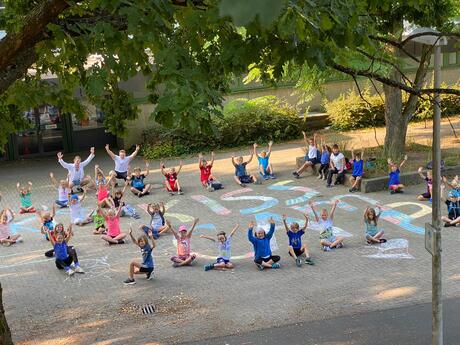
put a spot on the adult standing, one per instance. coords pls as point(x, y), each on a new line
point(76, 171)
point(122, 161)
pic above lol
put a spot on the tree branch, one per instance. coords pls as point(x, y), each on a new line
point(437, 34)
point(394, 44)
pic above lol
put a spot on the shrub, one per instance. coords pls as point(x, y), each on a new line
point(350, 111)
point(243, 122)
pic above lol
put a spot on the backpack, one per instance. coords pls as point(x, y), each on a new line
point(216, 185)
point(348, 164)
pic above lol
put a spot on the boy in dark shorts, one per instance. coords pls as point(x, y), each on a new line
point(263, 256)
point(358, 171)
point(296, 248)
point(241, 175)
point(147, 266)
point(138, 186)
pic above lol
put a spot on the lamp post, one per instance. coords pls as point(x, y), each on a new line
point(433, 230)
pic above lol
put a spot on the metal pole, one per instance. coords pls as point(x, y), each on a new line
point(437, 323)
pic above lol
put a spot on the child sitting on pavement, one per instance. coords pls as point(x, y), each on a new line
point(373, 234)
point(328, 240)
point(157, 220)
point(184, 257)
point(241, 175)
point(46, 220)
point(171, 179)
point(25, 196)
point(6, 237)
point(263, 256)
point(453, 206)
point(223, 244)
point(296, 248)
point(357, 174)
point(429, 184)
point(265, 167)
point(64, 191)
point(208, 180)
point(394, 183)
point(66, 256)
point(138, 186)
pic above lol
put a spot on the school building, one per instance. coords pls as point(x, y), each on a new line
point(51, 131)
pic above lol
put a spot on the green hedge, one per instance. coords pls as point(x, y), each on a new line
point(243, 122)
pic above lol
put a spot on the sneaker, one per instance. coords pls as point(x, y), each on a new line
point(399, 191)
point(369, 242)
point(70, 272)
point(179, 192)
point(78, 269)
point(149, 276)
point(21, 211)
point(176, 264)
point(309, 261)
point(392, 192)
point(129, 282)
point(7, 244)
point(171, 193)
point(276, 265)
point(208, 267)
point(260, 267)
point(243, 185)
point(136, 216)
point(340, 245)
point(121, 241)
point(266, 177)
point(298, 262)
point(296, 174)
point(447, 225)
point(209, 188)
point(20, 239)
point(329, 186)
point(272, 176)
point(257, 182)
point(352, 190)
point(382, 240)
point(320, 177)
point(326, 248)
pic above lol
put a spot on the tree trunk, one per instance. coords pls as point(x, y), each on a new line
point(5, 333)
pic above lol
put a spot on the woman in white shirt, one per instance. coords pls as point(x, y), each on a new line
point(337, 166)
point(311, 155)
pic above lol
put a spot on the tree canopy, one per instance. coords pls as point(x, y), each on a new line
point(190, 50)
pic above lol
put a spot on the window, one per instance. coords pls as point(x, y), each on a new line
point(94, 119)
point(452, 58)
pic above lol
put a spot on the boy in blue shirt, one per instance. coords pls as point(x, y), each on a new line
point(265, 168)
point(394, 184)
point(296, 248)
point(357, 175)
point(263, 257)
point(146, 267)
point(241, 175)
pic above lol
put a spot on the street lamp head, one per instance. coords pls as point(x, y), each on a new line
point(422, 35)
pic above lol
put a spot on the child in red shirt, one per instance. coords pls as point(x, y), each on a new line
point(172, 182)
point(208, 180)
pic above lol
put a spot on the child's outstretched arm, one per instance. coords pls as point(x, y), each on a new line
point(285, 223)
point(120, 209)
point(18, 187)
point(403, 161)
point(162, 168)
point(147, 168)
point(365, 213)
point(171, 228)
point(334, 206)
point(213, 157)
point(195, 222)
point(314, 139)
point(150, 209)
point(250, 232)
point(377, 216)
point(234, 230)
point(109, 180)
point(11, 213)
point(305, 140)
point(53, 211)
point(390, 163)
point(162, 205)
point(233, 160)
point(29, 186)
point(208, 238)
point(310, 203)
point(250, 157)
point(272, 228)
point(180, 167)
point(362, 154)
point(420, 172)
point(83, 197)
point(306, 222)
point(53, 180)
point(150, 235)
point(132, 237)
point(254, 150)
point(69, 234)
point(126, 185)
point(50, 237)
point(200, 160)
point(270, 144)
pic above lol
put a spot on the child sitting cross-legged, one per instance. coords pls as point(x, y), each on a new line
point(112, 218)
point(207, 178)
point(66, 257)
point(241, 174)
point(6, 237)
point(296, 248)
point(373, 234)
point(184, 257)
point(394, 183)
point(171, 179)
point(63, 191)
point(25, 196)
point(263, 256)
point(146, 266)
point(265, 167)
point(327, 238)
point(429, 184)
point(223, 244)
point(157, 220)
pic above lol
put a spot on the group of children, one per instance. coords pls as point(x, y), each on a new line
point(111, 206)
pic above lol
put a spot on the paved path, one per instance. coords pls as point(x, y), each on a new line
point(192, 304)
point(398, 326)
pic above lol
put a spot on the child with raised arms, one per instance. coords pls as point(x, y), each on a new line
point(184, 256)
point(63, 189)
point(76, 210)
point(263, 256)
point(171, 178)
point(58, 229)
point(102, 186)
point(324, 161)
point(394, 183)
point(46, 220)
point(241, 174)
point(208, 180)
point(157, 225)
point(66, 257)
point(265, 167)
point(296, 247)
point(224, 245)
point(327, 238)
point(146, 266)
point(112, 218)
point(358, 171)
point(373, 234)
point(311, 154)
point(6, 237)
point(138, 186)
point(429, 184)
point(25, 196)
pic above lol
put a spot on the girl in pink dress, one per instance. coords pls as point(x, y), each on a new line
point(112, 219)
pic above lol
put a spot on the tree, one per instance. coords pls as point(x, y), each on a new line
point(5, 333)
